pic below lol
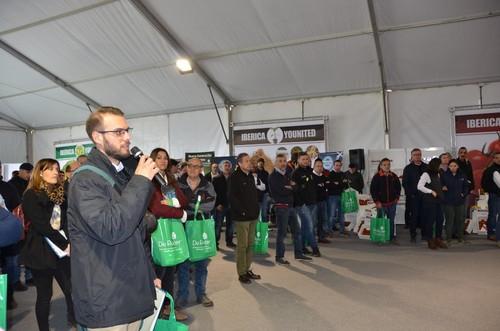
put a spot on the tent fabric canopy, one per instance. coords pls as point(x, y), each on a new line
point(254, 50)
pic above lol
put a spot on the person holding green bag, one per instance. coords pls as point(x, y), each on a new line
point(385, 189)
point(168, 205)
point(196, 188)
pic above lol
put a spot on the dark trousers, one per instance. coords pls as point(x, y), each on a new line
point(219, 219)
point(287, 217)
point(43, 279)
point(416, 210)
point(433, 220)
point(167, 277)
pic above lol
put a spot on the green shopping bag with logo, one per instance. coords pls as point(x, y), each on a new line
point(349, 201)
point(201, 237)
point(3, 302)
point(169, 243)
point(261, 244)
point(171, 324)
point(380, 229)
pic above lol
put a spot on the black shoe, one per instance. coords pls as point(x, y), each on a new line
point(324, 241)
point(231, 244)
point(30, 282)
point(251, 275)
point(282, 261)
point(316, 252)
point(306, 251)
point(244, 279)
point(20, 287)
point(303, 257)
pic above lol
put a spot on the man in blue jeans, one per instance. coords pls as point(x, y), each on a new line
point(282, 194)
point(195, 186)
point(491, 184)
point(304, 201)
point(337, 183)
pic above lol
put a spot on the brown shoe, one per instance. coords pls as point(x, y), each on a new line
point(180, 315)
point(431, 244)
point(441, 244)
point(205, 301)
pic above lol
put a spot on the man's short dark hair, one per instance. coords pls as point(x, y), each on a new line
point(303, 154)
point(337, 161)
point(240, 157)
point(463, 147)
point(318, 160)
point(415, 150)
point(353, 165)
point(95, 119)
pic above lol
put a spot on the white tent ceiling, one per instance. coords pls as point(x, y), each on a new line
point(248, 50)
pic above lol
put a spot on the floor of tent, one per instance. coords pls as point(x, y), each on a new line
point(355, 285)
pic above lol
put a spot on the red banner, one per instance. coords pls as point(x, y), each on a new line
point(477, 123)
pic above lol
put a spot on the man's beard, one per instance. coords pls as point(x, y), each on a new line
point(115, 153)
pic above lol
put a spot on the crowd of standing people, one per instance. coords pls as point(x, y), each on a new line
point(89, 226)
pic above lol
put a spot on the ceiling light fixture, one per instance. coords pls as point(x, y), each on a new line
point(184, 66)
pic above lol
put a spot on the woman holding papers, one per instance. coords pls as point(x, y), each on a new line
point(47, 248)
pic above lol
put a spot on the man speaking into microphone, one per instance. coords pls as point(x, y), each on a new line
point(112, 277)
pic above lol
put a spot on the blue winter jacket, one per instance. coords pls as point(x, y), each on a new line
point(458, 187)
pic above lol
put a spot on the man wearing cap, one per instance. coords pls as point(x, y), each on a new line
point(21, 181)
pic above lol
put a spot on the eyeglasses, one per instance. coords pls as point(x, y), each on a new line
point(117, 132)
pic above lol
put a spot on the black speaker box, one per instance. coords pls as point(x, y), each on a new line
point(357, 156)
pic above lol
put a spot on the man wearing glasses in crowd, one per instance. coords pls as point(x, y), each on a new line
point(112, 277)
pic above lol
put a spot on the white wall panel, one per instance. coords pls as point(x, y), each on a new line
point(12, 146)
point(197, 131)
point(421, 117)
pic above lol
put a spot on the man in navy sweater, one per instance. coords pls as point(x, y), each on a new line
point(281, 191)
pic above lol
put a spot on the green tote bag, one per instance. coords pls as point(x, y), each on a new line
point(169, 243)
point(3, 302)
point(349, 201)
point(380, 229)
point(171, 324)
point(261, 245)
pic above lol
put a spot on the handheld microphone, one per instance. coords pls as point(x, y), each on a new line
point(137, 153)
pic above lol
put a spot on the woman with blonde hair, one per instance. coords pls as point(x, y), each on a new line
point(44, 206)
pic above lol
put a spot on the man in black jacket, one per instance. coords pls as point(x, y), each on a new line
point(336, 184)
point(286, 216)
point(491, 184)
point(112, 276)
point(465, 166)
point(411, 176)
point(264, 200)
point(222, 209)
point(304, 199)
point(355, 178)
point(245, 213)
point(20, 182)
point(320, 214)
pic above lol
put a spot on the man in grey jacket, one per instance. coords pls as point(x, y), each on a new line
point(112, 276)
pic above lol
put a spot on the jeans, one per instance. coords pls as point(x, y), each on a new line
point(455, 219)
point(493, 215)
point(306, 225)
point(390, 213)
point(167, 277)
point(433, 215)
point(200, 278)
point(245, 235)
point(336, 214)
point(12, 269)
point(286, 217)
point(320, 217)
point(264, 207)
point(416, 206)
point(43, 281)
point(219, 218)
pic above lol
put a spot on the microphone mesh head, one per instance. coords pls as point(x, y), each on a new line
point(136, 152)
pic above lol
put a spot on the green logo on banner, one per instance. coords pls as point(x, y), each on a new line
point(72, 151)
